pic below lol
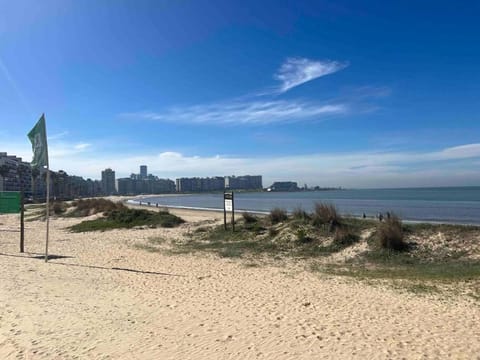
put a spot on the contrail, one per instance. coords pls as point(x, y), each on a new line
point(9, 78)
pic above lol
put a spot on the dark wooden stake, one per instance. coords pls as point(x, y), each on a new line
point(233, 214)
point(22, 224)
point(224, 214)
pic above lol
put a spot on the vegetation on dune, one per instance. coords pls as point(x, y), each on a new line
point(276, 234)
point(300, 214)
point(86, 207)
point(249, 218)
point(278, 215)
point(326, 214)
point(114, 215)
point(390, 234)
point(129, 218)
point(390, 250)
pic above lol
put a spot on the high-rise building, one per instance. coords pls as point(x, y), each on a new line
point(143, 171)
point(151, 185)
point(108, 182)
point(15, 174)
point(246, 182)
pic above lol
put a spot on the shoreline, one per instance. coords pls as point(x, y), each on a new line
point(132, 201)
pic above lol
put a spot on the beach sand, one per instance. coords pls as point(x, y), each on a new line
point(102, 297)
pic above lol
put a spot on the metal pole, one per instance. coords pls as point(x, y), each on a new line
point(22, 224)
point(48, 194)
point(48, 212)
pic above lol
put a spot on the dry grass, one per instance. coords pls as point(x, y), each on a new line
point(278, 215)
point(326, 214)
point(249, 218)
point(86, 207)
point(390, 234)
point(300, 214)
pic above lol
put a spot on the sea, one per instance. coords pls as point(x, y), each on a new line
point(455, 205)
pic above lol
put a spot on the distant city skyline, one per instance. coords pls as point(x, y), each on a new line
point(343, 93)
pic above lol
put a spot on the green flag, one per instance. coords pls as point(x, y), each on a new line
point(38, 138)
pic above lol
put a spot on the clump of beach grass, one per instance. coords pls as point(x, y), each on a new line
point(326, 214)
point(299, 214)
point(86, 207)
point(278, 215)
point(344, 237)
point(390, 234)
point(249, 218)
point(58, 207)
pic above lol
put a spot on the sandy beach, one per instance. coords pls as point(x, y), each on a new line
point(104, 297)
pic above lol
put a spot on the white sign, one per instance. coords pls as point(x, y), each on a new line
point(228, 204)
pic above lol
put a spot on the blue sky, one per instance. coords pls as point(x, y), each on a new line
point(329, 93)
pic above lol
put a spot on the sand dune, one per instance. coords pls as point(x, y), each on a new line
point(103, 298)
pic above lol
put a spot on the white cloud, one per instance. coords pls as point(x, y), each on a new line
point(297, 71)
point(81, 146)
point(58, 135)
point(463, 151)
point(360, 169)
point(245, 112)
point(450, 166)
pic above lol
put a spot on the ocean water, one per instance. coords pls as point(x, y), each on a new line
point(459, 205)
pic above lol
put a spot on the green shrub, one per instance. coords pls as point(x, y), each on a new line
point(390, 234)
point(278, 215)
point(128, 218)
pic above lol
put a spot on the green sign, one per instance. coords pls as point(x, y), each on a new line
point(10, 202)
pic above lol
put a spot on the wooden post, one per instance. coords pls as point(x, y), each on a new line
point(22, 223)
point(233, 214)
point(224, 214)
point(48, 211)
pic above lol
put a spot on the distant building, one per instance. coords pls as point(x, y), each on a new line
point(108, 182)
point(151, 185)
point(143, 171)
point(246, 182)
point(218, 183)
point(284, 186)
point(15, 174)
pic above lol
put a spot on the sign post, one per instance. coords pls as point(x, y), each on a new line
point(228, 206)
point(11, 202)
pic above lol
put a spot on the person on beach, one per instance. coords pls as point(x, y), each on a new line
point(380, 217)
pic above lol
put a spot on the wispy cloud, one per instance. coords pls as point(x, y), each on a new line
point(245, 112)
point(14, 86)
point(462, 151)
point(58, 135)
point(81, 146)
point(296, 71)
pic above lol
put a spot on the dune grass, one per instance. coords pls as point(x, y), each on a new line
point(128, 218)
point(86, 207)
point(389, 255)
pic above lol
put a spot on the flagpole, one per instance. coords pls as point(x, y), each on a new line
point(48, 194)
point(38, 138)
point(48, 211)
